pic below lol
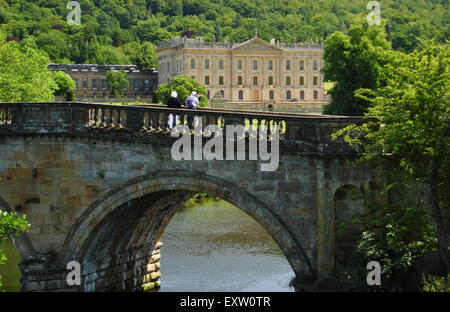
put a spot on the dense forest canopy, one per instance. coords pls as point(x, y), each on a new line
point(119, 31)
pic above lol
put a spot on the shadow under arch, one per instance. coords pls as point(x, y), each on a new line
point(22, 242)
point(91, 229)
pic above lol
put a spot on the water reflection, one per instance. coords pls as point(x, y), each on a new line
point(211, 245)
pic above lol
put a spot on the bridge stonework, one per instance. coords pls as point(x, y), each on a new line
point(99, 186)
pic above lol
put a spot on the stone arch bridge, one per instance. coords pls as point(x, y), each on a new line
point(98, 185)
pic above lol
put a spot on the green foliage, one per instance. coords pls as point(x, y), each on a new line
point(414, 107)
point(54, 43)
point(111, 55)
point(11, 224)
point(24, 76)
point(397, 236)
point(355, 60)
point(436, 284)
point(117, 23)
point(63, 82)
point(117, 82)
point(184, 85)
point(409, 141)
point(142, 55)
point(69, 96)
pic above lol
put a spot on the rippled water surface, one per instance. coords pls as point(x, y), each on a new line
point(213, 246)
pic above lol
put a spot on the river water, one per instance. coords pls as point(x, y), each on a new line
point(209, 245)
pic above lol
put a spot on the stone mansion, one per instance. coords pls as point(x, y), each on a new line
point(252, 75)
point(91, 81)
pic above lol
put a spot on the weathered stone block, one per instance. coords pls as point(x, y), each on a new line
point(155, 275)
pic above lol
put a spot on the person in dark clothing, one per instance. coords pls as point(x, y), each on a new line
point(173, 102)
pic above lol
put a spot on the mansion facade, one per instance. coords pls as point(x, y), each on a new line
point(254, 75)
point(91, 81)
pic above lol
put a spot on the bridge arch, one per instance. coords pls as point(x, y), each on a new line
point(133, 216)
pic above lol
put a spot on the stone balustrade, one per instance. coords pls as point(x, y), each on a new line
point(309, 133)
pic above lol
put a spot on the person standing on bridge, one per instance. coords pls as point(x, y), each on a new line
point(173, 102)
point(192, 103)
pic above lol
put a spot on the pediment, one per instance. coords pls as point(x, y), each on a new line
point(256, 44)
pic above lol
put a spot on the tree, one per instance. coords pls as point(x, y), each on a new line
point(111, 55)
point(117, 82)
point(84, 45)
point(151, 31)
point(122, 22)
point(143, 55)
point(11, 224)
point(54, 44)
point(117, 37)
point(63, 82)
point(412, 145)
point(24, 76)
point(184, 85)
point(397, 234)
point(354, 61)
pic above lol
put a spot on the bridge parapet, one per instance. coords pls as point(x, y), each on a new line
point(305, 133)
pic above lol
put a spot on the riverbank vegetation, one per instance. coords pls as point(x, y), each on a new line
point(407, 137)
point(10, 224)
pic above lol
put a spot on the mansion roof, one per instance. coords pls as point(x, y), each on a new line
point(253, 44)
point(96, 68)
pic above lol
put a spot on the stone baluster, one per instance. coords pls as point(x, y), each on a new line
point(209, 121)
point(3, 117)
point(277, 124)
point(123, 118)
point(88, 123)
point(107, 118)
point(197, 123)
point(154, 121)
point(93, 117)
point(253, 127)
point(262, 126)
point(100, 117)
point(146, 125)
point(115, 118)
point(164, 121)
point(221, 122)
